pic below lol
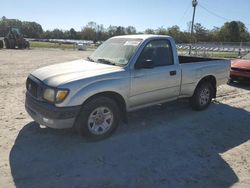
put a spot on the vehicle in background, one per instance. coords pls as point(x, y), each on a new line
point(14, 39)
point(240, 69)
point(125, 73)
point(81, 46)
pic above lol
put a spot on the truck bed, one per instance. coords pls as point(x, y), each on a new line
point(191, 59)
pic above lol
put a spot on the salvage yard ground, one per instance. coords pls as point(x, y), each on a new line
point(163, 146)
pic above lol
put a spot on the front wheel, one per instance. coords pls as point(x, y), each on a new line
point(202, 96)
point(7, 43)
point(98, 118)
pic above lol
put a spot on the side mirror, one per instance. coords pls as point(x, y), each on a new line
point(147, 64)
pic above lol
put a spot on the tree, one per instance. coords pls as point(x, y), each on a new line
point(88, 33)
point(184, 37)
point(174, 32)
point(120, 31)
point(111, 30)
point(130, 30)
point(57, 34)
point(149, 31)
point(72, 34)
point(233, 32)
point(214, 34)
point(31, 29)
point(92, 25)
point(161, 31)
point(200, 33)
point(100, 33)
point(244, 34)
point(93, 31)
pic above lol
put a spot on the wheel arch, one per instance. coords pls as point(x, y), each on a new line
point(210, 79)
point(118, 98)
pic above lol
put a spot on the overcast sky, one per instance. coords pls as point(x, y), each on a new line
point(143, 14)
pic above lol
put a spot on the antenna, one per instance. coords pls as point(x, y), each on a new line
point(194, 4)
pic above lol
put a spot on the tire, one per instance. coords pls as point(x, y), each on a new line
point(1, 44)
point(202, 96)
point(27, 44)
point(92, 123)
point(21, 45)
point(7, 43)
point(12, 44)
point(230, 80)
point(233, 78)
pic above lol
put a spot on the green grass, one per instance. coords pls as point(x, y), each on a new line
point(34, 44)
point(224, 54)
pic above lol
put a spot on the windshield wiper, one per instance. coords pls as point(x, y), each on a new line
point(90, 59)
point(106, 61)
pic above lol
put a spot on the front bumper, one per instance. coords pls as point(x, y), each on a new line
point(240, 74)
point(50, 115)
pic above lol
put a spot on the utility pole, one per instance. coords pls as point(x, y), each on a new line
point(194, 4)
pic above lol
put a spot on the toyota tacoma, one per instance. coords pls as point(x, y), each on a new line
point(125, 73)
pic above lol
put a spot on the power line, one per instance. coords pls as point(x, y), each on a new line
point(218, 16)
point(213, 13)
point(185, 12)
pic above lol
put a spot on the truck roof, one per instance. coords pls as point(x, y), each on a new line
point(142, 36)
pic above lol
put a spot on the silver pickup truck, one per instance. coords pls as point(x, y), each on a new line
point(125, 73)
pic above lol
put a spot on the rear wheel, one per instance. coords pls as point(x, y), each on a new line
point(202, 96)
point(1, 44)
point(21, 45)
point(98, 118)
point(27, 44)
point(12, 44)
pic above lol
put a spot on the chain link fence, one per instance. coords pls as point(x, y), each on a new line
point(216, 49)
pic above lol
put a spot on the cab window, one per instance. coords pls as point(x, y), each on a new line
point(158, 51)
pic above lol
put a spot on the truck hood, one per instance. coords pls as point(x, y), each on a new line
point(59, 74)
point(241, 63)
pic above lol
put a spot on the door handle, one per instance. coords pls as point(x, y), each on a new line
point(172, 73)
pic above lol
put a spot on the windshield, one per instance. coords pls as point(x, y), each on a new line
point(15, 30)
point(116, 51)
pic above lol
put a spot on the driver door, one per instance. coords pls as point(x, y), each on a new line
point(158, 82)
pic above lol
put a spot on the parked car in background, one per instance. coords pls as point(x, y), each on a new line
point(125, 73)
point(240, 69)
point(82, 46)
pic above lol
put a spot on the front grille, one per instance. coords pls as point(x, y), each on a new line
point(240, 70)
point(32, 87)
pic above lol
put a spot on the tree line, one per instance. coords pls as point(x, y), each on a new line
point(234, 31)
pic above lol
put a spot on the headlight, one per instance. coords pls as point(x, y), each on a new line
point(53, 95)
point(49, 95)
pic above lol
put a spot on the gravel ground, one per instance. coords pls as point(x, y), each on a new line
point(168, 145)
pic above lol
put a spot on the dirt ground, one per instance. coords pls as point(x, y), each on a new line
point(163, 146)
